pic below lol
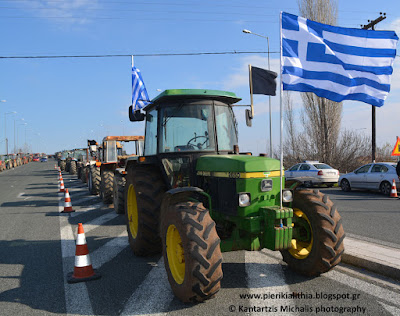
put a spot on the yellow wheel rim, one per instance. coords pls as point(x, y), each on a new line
point(132, 211)
point(175, 254)
point(301, 249)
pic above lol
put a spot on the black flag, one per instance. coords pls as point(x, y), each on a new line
point(263, 81)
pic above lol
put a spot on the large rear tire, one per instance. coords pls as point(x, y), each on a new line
point(144, 191)
point(318, 234)
point(94, 180)
point(119, 193)
point(72, 167)
point(83, 175)
point(191, 250)
point(106, 186)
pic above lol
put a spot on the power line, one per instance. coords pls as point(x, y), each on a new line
point(136, 55)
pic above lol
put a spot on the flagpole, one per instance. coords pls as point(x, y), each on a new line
point(281, 112)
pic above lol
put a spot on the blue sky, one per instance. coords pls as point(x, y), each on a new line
point(67, 101)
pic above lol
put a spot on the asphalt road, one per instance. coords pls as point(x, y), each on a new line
point(368, 214)
point(37, 251)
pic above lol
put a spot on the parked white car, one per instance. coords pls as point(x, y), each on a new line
point(313, 172)
point(372, 176)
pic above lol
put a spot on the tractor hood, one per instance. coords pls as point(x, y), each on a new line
point(236, 163)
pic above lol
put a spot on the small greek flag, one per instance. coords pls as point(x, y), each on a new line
point(140, 98)
point(336, 63)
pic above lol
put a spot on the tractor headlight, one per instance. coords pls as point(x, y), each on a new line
point(287, 196)
point(244, 199)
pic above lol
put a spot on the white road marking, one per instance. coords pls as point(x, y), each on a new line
point(152, 296)
point(81, 210)
point(366, 287)
point(265, 275)
point(99, 221)
point(21, 196)
point(85, 199)
point(77, 299)
point(109, 251)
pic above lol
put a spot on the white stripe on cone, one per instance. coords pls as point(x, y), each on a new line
point(82, 261)
point(81, 239)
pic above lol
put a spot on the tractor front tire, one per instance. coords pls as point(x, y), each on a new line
point(144, 191)
point(94, 180)
point(319, 234)
point(118, 193)
point(62, 165)
point(191, 250)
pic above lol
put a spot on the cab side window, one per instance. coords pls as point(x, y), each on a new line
point(304, 167)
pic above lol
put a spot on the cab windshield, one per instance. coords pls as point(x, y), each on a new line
point(192, 128)
point(187, 128)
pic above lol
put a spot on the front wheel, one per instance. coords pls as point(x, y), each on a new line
point(191, 250)
point(318, 234)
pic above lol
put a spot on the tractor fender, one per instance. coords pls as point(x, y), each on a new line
point(184, 194)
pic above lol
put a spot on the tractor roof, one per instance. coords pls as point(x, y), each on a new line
point(123, 138)
point(184, 94)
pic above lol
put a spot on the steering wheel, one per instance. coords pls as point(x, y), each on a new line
point(198, 145)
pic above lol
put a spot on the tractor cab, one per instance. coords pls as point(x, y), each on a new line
point(183, 125)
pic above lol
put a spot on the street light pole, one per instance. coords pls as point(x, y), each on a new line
point(5, 129)
point(269, 97)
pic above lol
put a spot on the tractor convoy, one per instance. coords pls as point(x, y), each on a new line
point(189, 193)
point(11, 161)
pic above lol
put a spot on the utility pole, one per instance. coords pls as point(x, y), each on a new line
point(371, 25)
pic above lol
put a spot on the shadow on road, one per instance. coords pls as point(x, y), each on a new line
point(40, 279)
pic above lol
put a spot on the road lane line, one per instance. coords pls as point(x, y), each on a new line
point(85, 199)
point(363, 286)
point(99, 221)
point(109, 251)
point(77, 301)
point(82, 210)
point(153, 295)
point(265, 275)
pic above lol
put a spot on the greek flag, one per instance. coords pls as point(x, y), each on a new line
point(336, 63)
point(140, 98)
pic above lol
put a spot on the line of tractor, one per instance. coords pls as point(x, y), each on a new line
point(189, 193)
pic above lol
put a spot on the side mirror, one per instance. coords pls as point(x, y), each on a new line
point(135, 116)
point(248, 118)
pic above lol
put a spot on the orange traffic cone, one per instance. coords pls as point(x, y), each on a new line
point(83, 270)
point(60, 177)
point(393, 193)
point(61, 186)
point(67, 203)
point(55, 166)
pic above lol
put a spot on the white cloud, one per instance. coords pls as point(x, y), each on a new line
point(395, 26)
point(72, 11)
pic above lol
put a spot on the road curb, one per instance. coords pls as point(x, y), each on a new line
point(373, 257)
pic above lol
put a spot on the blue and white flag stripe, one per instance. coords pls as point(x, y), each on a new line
point(140, 98)
point(335, 62)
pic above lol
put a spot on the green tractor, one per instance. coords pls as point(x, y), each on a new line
point(192, 196)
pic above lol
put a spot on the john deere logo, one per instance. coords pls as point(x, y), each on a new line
point(266, 185)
